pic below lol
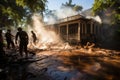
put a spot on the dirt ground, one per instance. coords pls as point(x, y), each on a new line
point(80, 64)
point(69, 64)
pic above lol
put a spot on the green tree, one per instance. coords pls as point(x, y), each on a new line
point(110, 6)
point(109, 11)
point(14, 12)
point(72, 6)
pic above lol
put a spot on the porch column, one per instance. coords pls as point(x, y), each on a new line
point(79, 32)
point(91, 28)
point(59, 30)
point(85, 28)
point(67, 31)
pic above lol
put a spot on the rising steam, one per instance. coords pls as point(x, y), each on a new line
point(96, 18)
point(46, 38)
point(59, 14)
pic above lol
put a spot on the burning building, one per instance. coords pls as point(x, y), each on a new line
point(77, 29)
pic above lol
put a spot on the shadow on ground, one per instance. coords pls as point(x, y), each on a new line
point(95, 68)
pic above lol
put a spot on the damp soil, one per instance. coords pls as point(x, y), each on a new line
point(75, 64)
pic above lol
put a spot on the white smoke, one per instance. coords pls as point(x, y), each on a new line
point(62, 13)
point(45, 36)
point(96, 18)
point(66, 12)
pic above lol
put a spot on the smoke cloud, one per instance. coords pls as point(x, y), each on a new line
point(45, 36)
point(59, 14)
point(96, 18)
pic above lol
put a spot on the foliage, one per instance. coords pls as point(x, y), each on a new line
point(72, 6)
point(13, 12)
point(33, 5)
point(105, 5)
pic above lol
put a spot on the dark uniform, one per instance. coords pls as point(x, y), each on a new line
point(23, 37)
point(34, 37)
point(2, 52)
point(9, 39)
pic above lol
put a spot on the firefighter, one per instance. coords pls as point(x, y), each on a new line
point(34, 37)
point(23, 41)
point(2, 52)
point(9, 39)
